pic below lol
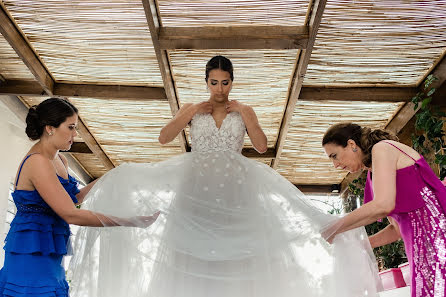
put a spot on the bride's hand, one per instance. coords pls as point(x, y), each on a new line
point(234, 105)
point(203, 107)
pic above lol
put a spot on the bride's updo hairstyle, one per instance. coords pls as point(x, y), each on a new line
point(51, 112)
point(364, 137)
point(219, 62)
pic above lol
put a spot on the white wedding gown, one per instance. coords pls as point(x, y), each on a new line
point(230, 227)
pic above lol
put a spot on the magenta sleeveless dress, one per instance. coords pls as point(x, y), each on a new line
point(420, 210)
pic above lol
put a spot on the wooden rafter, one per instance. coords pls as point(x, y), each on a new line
point(404, 114)
point(252, 153)
point(93, 145)
point(82, 148)
point(304, 55)
point(379, 94)
point(236, 37)
point(21, 46)
point(30, 88)
point(407, 111)
point(316, 189)
point(108, 91)
point(24, 50)
point(22, 88)
point(154, 23)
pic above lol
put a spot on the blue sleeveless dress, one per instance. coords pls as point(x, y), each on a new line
point(35, 245)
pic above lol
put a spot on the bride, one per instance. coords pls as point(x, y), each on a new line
point(230, 226)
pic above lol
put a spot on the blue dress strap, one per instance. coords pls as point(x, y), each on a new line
point(400, 150)
point(20, 170)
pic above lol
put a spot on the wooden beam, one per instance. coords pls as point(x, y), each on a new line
point(80, 148)
point(236, 37)
point(252, 153)
point(110, 91)
point(379, 94)
point(153, 21)
point(78, 169)
point(22, 88)
point(317, 9)
point(93, 145)
point(30, 88)
point(315, 189)
point(23, 49)
point(403, 116)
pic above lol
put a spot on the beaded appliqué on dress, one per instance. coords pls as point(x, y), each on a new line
point(429, 225)
point(206, 137)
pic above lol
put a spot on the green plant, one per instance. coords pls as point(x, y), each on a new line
point(388, 256)
point(355, 190)
point(429, 138)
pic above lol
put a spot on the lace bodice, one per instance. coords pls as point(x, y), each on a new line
point(206, 137)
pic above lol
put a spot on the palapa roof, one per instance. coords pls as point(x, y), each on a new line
point(302, 65)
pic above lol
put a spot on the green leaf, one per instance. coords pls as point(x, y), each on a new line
point(425, 102)
point(431, 91)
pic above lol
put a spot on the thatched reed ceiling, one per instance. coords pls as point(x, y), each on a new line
point(302, 65)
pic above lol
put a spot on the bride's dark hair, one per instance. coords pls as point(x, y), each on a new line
point(364, 137)
point(219, 62)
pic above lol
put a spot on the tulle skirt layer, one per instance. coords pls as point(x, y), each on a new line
point(230, 226)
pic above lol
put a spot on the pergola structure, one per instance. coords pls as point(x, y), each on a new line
point(302, 64)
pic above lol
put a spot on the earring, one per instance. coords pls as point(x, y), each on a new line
point(50, 133)
point(355, 150)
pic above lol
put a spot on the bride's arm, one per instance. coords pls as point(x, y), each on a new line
point(181, 119)
point(255, 132)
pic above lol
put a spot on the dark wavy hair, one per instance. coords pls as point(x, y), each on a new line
point(219, 62)
point(50, 112)
point(365, 138)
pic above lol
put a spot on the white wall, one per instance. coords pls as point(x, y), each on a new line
point(14, 145)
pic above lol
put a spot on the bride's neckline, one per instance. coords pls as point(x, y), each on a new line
point(222, 122)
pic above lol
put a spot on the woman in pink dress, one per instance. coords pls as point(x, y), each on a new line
point(400, 185)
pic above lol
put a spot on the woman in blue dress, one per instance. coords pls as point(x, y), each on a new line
point(46, 197)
